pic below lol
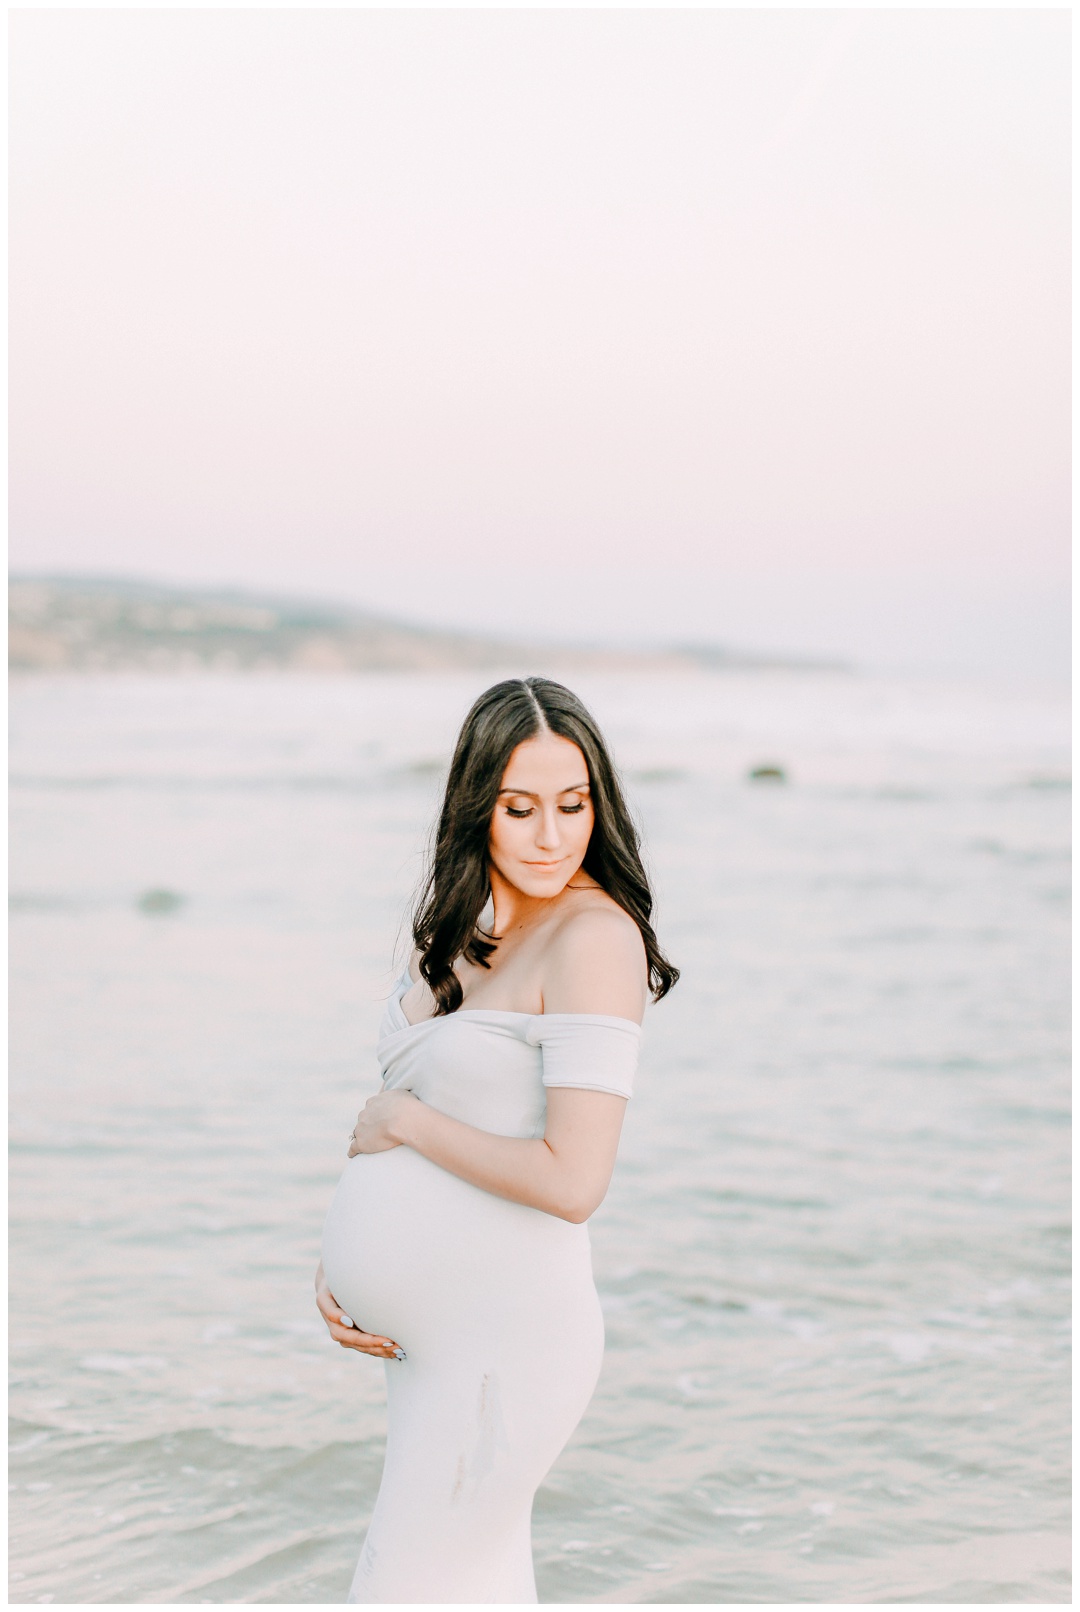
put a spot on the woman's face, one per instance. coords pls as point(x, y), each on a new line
point(543, 817)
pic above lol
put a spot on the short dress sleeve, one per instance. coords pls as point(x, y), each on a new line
point(587, 1050)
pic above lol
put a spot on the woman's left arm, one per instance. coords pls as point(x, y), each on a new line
point(565, 1172)
point(595, 966)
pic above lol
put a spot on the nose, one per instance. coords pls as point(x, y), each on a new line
point(547, 830)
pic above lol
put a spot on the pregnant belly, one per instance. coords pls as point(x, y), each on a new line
point(414, 1253)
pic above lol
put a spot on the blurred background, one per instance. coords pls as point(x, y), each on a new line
point(714, 361)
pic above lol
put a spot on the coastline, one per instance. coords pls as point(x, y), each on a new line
point(87, 625)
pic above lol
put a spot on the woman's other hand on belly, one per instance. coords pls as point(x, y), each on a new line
point(344, 1330)
point(381, 1121)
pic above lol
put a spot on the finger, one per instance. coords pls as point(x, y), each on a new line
point(366, 1342)
point(349, 1330)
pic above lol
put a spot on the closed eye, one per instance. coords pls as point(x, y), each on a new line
point(527, 811)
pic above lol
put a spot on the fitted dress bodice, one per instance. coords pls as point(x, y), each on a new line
point(492, 1068)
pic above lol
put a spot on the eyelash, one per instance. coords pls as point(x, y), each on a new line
point(569, 810)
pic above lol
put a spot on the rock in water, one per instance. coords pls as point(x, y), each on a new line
point(155, 901)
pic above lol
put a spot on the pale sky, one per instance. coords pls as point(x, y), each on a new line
point(748, 326)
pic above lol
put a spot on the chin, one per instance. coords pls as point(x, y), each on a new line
point(532, 883)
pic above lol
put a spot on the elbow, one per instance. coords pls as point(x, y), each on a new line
point(575, 1194)
point(578, 1209)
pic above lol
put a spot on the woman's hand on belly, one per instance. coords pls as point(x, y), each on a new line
point(375, 1129)
point(350, 1337)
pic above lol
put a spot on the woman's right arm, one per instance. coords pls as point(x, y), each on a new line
point(343, 1329)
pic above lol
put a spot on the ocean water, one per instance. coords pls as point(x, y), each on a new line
point(834, 1257)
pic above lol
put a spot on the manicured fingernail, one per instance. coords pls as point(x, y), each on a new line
point(399, 1354)
point(346, 1321)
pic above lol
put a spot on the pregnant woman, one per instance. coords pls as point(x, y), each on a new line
point(456, 1247)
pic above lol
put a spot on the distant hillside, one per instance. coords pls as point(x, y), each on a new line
point(100, 624)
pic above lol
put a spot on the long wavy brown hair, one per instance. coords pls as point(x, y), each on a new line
point(459, 882)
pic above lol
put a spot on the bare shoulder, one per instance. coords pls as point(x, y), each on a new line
point(595, 961)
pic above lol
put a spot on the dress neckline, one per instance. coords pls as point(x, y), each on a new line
point(406, 981)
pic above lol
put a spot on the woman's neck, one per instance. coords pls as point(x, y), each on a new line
point(513, 910)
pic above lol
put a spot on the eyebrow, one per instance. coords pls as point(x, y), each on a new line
point(569, 790)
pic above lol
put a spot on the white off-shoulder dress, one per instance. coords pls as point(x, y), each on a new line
point(493, 1302)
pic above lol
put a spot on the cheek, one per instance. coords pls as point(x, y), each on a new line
point(506, 833)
